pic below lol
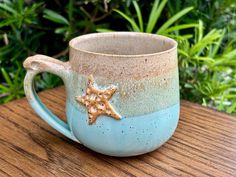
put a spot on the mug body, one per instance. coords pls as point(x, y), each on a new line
point(143, 68)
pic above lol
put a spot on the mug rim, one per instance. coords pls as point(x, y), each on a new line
point(75, 40)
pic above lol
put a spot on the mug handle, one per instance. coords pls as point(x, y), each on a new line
point(41, 63)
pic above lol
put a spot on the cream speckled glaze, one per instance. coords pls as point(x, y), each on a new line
point(142, 67)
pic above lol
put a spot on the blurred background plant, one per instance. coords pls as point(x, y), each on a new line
point(205, 30)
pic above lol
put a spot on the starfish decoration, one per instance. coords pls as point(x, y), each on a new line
point(97, 101)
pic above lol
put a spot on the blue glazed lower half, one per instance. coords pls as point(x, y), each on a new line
point(126, 137)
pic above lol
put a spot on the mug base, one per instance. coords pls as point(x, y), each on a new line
point(128, 137)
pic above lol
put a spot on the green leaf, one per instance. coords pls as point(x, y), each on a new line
point(6, 77)
point(5, 50)
point(155, 14)
point(218, 44)
point(173, 19)
point(102, 30)
point(187, 85)
point(137, 9)
point(227, 62)
point(152, 17)
point(61, 30)
point(187, 36)
point(180, 27)
point(230, 96)
point(9, 98)
point(55, 17)
point(7, 22)
point(183, 53)
point(200, 30)
point(231, 54)
point(20, 5)
point(208, 39)
point(179, 37)
point(8, 8)
point(204, 102)
point(211, 60)
point(70, 9)
point(131, 21)
point(231, 108)
point(3, 88)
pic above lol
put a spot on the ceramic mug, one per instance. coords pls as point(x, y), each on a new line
point(122, 91)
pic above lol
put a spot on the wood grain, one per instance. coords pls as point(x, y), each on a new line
point(204, 144)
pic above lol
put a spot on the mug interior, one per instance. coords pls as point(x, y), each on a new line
point(123, 43)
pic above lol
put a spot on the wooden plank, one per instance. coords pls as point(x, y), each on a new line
point(204, 144)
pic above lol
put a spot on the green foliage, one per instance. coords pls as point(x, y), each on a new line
point(17, 45)
point(27, 28)
point(12, 88)
point(55, 17)
point(206, 72)
point(157, 9)
point(214, 13)
point(205, 31)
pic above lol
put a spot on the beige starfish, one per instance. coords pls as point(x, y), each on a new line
point(97, 101)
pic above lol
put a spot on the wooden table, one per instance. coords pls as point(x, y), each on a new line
point(204, 144)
